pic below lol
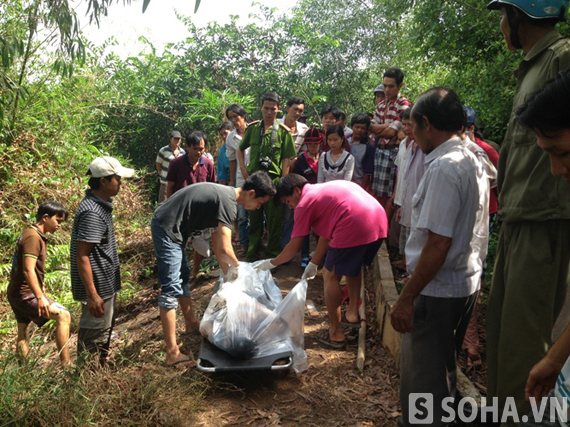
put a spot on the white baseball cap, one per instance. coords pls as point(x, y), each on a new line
point(106, 166)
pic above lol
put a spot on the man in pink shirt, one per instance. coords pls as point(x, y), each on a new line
point(351, 225)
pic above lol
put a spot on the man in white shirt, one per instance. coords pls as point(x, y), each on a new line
point(237, 115)
point(409, 155)
point(295, 108)
point(445, 253)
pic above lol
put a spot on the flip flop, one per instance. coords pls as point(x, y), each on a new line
point(345, 322)
point(473, 361)
point(324, 338)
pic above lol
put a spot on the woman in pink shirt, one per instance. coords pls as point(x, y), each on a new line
point(351, 225)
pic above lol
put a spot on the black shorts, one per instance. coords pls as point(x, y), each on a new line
point(26, 309)
point(349, 261)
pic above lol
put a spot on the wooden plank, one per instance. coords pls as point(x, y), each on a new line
point(361, 355)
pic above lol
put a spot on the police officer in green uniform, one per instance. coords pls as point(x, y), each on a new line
point(271, 148)
point(533, 255)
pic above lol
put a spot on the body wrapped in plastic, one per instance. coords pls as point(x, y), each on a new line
point(248, 318)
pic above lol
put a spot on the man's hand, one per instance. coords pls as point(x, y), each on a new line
point(96, 306)
point(431, 260)
point(399, 214)
point(402, 314)
point(43, 307)
point(542, 378)
point(310, 271)
point(264, 265)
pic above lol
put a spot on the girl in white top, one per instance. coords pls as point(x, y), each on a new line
point(336, 163)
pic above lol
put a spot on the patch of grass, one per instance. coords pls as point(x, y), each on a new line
point(209, 264)
point(132, 212)
point(133, 394)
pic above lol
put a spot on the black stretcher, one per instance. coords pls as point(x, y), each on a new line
point(214, 359)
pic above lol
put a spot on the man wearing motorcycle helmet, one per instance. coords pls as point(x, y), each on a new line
point(530, 277)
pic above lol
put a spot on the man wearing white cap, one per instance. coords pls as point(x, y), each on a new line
point(95, 270)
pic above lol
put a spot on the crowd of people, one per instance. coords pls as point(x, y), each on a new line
point(418, 174)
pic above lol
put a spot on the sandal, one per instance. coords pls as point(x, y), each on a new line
point(344, 321)
point(399, 265)
point(324, 338)
point(473, 361)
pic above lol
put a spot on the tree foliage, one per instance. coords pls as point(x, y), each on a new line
point(64, 101)
point(332, 51)
point(33, 28)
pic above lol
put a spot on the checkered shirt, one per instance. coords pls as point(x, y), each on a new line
point(384, 176)
point(388, 111)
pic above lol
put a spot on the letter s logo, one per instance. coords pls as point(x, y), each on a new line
point(421, 408)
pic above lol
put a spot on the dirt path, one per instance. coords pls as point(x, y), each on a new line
point(332, 392)
point(136, 386)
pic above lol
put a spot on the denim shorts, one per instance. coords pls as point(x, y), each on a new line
point(173, 270)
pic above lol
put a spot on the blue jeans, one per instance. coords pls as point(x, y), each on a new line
point(306, 248)
point(287, 228)
point(243, 227)
point(173, 270)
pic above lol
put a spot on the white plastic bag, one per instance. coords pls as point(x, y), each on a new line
point(248, 317)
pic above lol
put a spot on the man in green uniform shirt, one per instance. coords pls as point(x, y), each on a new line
point(530, 276)
point(271, 148)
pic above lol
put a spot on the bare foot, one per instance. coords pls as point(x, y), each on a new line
point(195, 272)
point(337, 337)
point(351, 318)
point(180, 360)
point(192, 326)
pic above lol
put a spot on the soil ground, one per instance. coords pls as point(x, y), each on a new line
point(331, 392)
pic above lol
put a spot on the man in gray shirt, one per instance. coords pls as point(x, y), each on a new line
point(197, 212)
